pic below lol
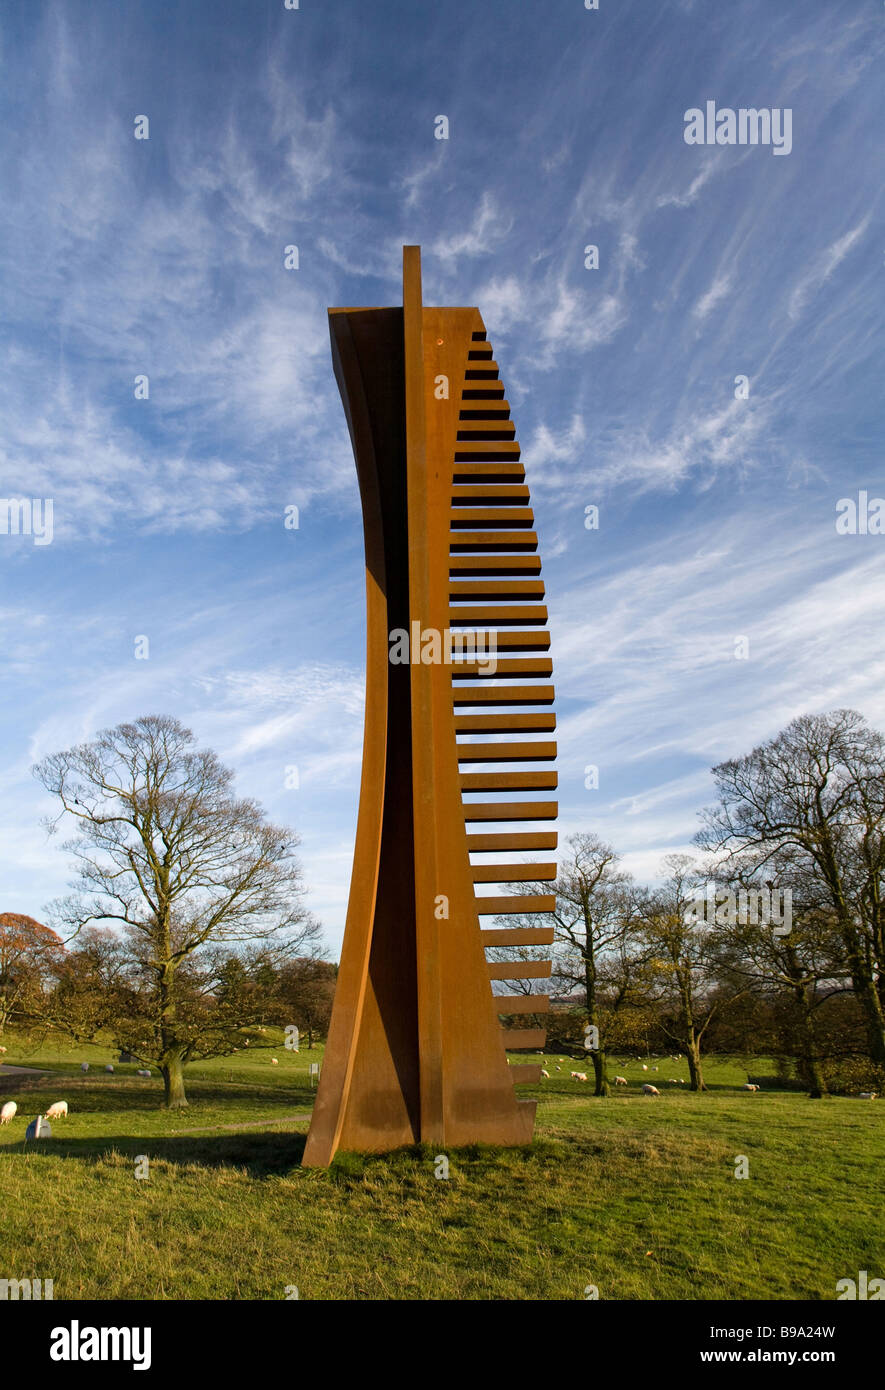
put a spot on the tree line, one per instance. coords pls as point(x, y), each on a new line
point(802, 816)
point(187, 928)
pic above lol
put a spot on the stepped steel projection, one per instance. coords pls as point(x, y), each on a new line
point(416, 1049)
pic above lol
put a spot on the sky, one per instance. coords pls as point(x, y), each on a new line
point(715, 601)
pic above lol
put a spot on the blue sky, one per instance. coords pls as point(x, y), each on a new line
point(315, 127)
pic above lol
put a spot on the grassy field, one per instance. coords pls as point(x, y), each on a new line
point(632, 1194)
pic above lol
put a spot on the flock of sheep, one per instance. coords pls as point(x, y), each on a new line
point(648, 1089)
point(39, 1128)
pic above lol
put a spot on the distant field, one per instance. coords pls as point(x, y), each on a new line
point(632, 1194)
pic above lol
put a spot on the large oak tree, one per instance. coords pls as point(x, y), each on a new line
point(814, 797)
point(186, 871)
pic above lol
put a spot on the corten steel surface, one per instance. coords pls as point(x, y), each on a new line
point(416, 1050)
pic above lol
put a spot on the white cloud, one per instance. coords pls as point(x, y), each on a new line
point(700, 180)
point(490, 227)
point(719, 290)
point(829, 260)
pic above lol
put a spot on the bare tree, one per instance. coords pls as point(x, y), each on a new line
point(815, 794)
point(169, 855)
point(679, 966)
point(800, 962)
point(592, 923)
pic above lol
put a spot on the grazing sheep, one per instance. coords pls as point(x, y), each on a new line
point(654, 1068)
point(142, 1071)
point(7, 1112)
point(274, 1061)
point(864, 1095)
point(620, 1081)
point(109, 1067)
point(644, 1067)
point(4, 1049)
point(650, 1090)
point(579, 1075)
point(56, 1111)
point(545, 1073)
point(559, 1068)
point(674, 1080)
point(38, 1129)
point(749, 1087)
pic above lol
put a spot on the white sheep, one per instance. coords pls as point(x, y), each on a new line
point(650, 1090)
point(84, 1066)
point(38, 1129)
point(545, 1073)
point(644, 1067)
point(142, 1071)
point(7, 1112)
point(749, 1087)
point(275, 1061)
point(579, 1075)
point(4, 1049)
point(620, 1081)
point(674, 1080)
point(55, 1111)
point(109, 1067)
point(864, 1095)
point(654, 1068)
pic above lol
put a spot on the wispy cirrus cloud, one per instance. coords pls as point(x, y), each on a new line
point(699, 182)
point(719, 290)
point(826, 262)
point(166, 258)
point(489, 228)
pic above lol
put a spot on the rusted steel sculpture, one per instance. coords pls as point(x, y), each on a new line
point(416, 1049)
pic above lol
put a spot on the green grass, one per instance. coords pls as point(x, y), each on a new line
point(635, 1195)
